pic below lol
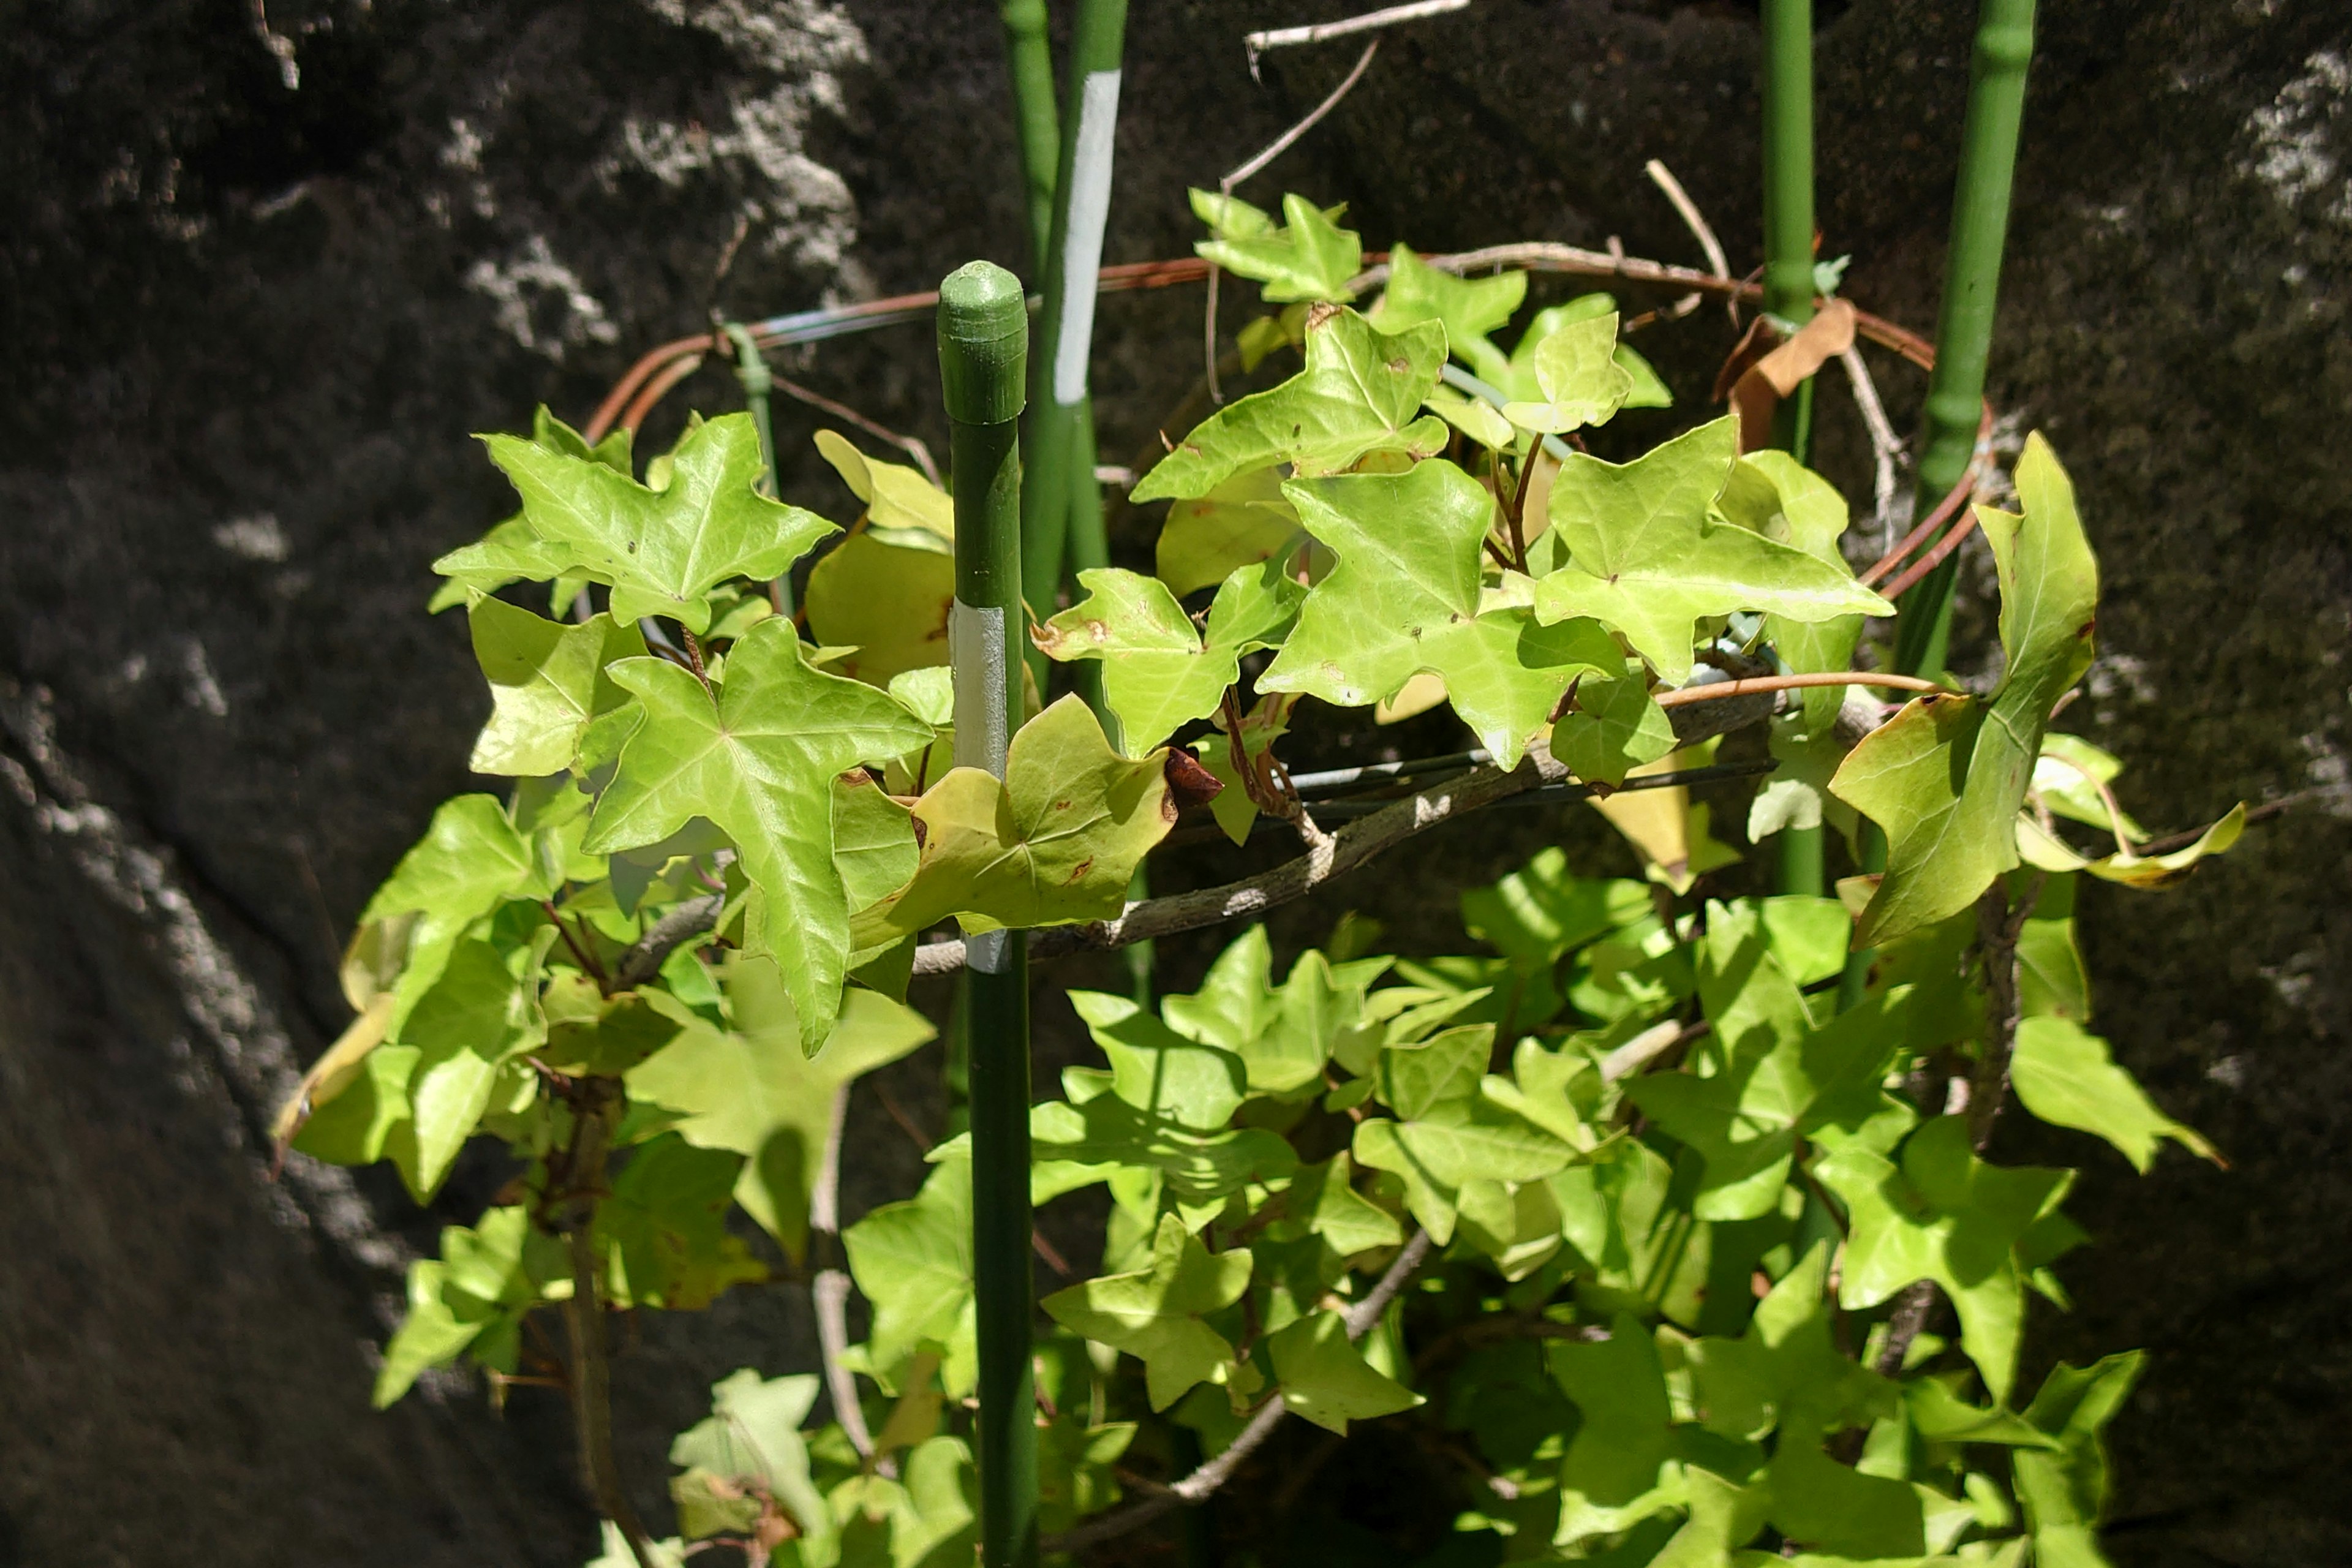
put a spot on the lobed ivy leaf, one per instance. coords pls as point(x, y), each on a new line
point(1646, 558)
point(1462, 1141)
point(2064, 1075)
point(1307, 257)
point(1157, 1070)
point(1406, 597)
point(1619, 1467)
point(1614, 727)
point(1325, 1378)
point(749, 1087)
point(1057, 842)
point(1154, 1314)
point(1746, 1119)
point(757, 759)
point(661, 551)
point(1160, 670)
point(887, 603)
point(1469, 308)
point(1577, 372)
point(1944, 1214)
point(753, 1434)
point(473, 1297)
point(913, 1262)
point(480, 1013)
point(1945, 776)
point(1779, 498)
point(1241, 522)
point(1358, 394)
point(902, 505)
point(2065, 1491)
point(662, 1230)
point(546, 685)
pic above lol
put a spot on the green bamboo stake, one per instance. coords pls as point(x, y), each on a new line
point(758, 381)
point(1035, 116)
point(1061, 421)
point(983, 328)
point(1788, 27)
point(2004, 48)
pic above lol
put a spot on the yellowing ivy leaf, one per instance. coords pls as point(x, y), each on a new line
point(1945, 776)
point(1057, 842)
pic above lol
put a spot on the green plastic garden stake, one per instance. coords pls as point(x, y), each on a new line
point(1060, 422)
point(2004, 48)
point(983, 327)
point(1788, 283)
point(1034, 115)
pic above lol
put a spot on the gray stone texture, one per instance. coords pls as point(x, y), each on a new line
point(261, 272)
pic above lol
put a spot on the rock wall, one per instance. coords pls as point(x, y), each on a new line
point(265, 268)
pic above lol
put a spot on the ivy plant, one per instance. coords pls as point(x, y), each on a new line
point(1676, 1250)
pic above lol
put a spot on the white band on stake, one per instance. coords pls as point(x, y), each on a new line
point(976, 654)
point(1083, 240)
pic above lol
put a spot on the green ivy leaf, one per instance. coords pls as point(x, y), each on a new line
point(1614, 727)
point(886, 601)
point(547, 684)
point(751, 1089)
point(1158, 1071)
point(1326, 1378)
point(660, 550)
point(2064, 1075)
point(1460, 1141)
point(913, 1262)
point(1745, 1120)
point(1160, 670)
point(473, 1297)
point(1470, 308)
point(1242, 522)
point(1945, 776)
point(1782, 499)
point(1646, 558)
point(1057, 842)
point(2064, 1492)
point(1580, 380)
point(2042, 849)
point(1406, 597)
point(1309, 257)
point(757, 760)
point(902, 505)
point(1948, 1217)
point(1322, 1201)
point(1358, 394)
point(480, 1013)
point(663, 1228)
point(753, 1434)
point(1155, 1314)
point(1095, 1132)
point(470, 861)
point(1619, 1467)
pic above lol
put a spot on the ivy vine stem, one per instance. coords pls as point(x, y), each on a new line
point(1204, 1483)
point(595, 1102)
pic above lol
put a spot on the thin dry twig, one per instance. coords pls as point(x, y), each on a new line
point(1272, 150)
point(829, 1292)
point(1257, 44)
point(911, 444)
point(1663, 177)
point(1885, 447)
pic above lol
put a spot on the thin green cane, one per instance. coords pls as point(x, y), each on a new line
point(983, 330)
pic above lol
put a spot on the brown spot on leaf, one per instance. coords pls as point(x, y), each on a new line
point(1400, 366)
point(1082, 868)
